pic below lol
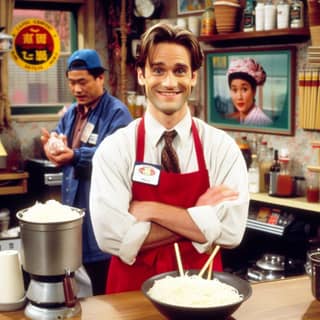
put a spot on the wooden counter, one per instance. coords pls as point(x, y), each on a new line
point(289, 299)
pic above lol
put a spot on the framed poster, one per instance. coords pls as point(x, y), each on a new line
point(251, 90)
point(185, 7)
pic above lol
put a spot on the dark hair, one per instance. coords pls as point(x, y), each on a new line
point(163, 32)
point(81, 65)
point(244, 76)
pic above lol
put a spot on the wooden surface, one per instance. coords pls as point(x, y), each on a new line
point(18, 179)
point(289, 299)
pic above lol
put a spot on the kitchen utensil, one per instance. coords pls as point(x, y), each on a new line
point(48, 249)
point(199, 313)
point(315, 274)
point(178, 257)
point(210, 259)
point(51, 253)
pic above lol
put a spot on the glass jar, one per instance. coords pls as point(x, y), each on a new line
point(131, 101)
point(312, 189)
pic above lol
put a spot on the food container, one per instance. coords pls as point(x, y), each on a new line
point(51, 248)
point(227, 16)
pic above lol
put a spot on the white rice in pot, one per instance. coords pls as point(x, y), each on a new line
point(51, 211)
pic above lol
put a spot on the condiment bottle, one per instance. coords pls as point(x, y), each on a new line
point(313, 191)
point(273, 174)
point(296, 14)
point(245, 149)
point(283, 14)
point(248, 16)
point(269, 15)
point(259, 16)
point(207, 22)
point(253, 175)
point(285, 183)
point(265, 163)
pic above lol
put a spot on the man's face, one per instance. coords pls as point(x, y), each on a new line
point(84, 87)
point(168, 78)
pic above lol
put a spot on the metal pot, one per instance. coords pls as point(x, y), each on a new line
point(49, 249)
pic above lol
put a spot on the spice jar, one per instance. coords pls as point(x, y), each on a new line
point(207, 22)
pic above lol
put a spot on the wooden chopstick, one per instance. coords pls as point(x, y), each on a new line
point(204, 268)
point(209, 275)
point(178, 257)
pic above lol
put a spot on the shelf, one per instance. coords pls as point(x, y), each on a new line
point(278, 36)
point(13, 183)
point(265, 227)
point(296, 203)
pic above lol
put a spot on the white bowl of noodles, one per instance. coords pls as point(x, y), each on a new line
point(191, 297)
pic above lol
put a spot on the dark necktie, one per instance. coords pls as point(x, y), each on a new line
point(169, 158)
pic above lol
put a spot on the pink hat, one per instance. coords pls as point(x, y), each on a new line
point(250, 67)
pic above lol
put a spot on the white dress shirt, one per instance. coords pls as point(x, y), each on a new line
point(118, 232)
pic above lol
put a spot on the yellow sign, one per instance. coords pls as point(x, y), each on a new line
point(36, 45)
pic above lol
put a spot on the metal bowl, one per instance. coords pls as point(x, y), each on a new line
point(199, 313)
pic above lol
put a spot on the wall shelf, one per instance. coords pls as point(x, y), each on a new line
point(296, 203)
point(13, 183)
point(277, 36)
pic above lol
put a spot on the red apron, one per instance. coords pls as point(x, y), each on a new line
point(176, 189)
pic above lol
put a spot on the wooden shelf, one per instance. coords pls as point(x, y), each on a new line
point(296, 203)
point(13, 183)
point(277, 36)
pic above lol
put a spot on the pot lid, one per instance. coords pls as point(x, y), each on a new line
point(272, 262)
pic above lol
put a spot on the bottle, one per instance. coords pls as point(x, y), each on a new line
point(312, 192)
point(253, 175)
point(265, 162)
point(273, 174)
point(283, 14)
point(131, 101)
point(269, 15)
point(207, 22)
point(245, 149)
point(259, 16)
point(248, 16)
point(285, 185)
point(296, 14)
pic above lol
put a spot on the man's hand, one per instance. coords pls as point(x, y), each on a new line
point(55, 147)
point(217, 194)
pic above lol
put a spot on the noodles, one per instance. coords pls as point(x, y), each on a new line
point(193, 291)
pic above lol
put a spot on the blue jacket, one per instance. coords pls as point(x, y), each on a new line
point(109, 115)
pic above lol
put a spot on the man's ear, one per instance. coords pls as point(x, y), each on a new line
point(140, 75)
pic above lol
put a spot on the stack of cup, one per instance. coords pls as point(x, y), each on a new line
point(11, 279)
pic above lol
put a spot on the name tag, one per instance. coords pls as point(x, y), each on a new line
point(146, 173)
point(93, 139)
point(87, 132)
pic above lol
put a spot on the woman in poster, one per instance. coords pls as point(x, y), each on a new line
point(244, 76)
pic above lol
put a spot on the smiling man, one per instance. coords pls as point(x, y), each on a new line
point(93, 116)
point(141, 203)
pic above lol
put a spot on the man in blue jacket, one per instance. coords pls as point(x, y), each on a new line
point(72, 144)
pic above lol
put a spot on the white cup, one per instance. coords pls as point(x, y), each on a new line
point(194, 25)
point(11, 279)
